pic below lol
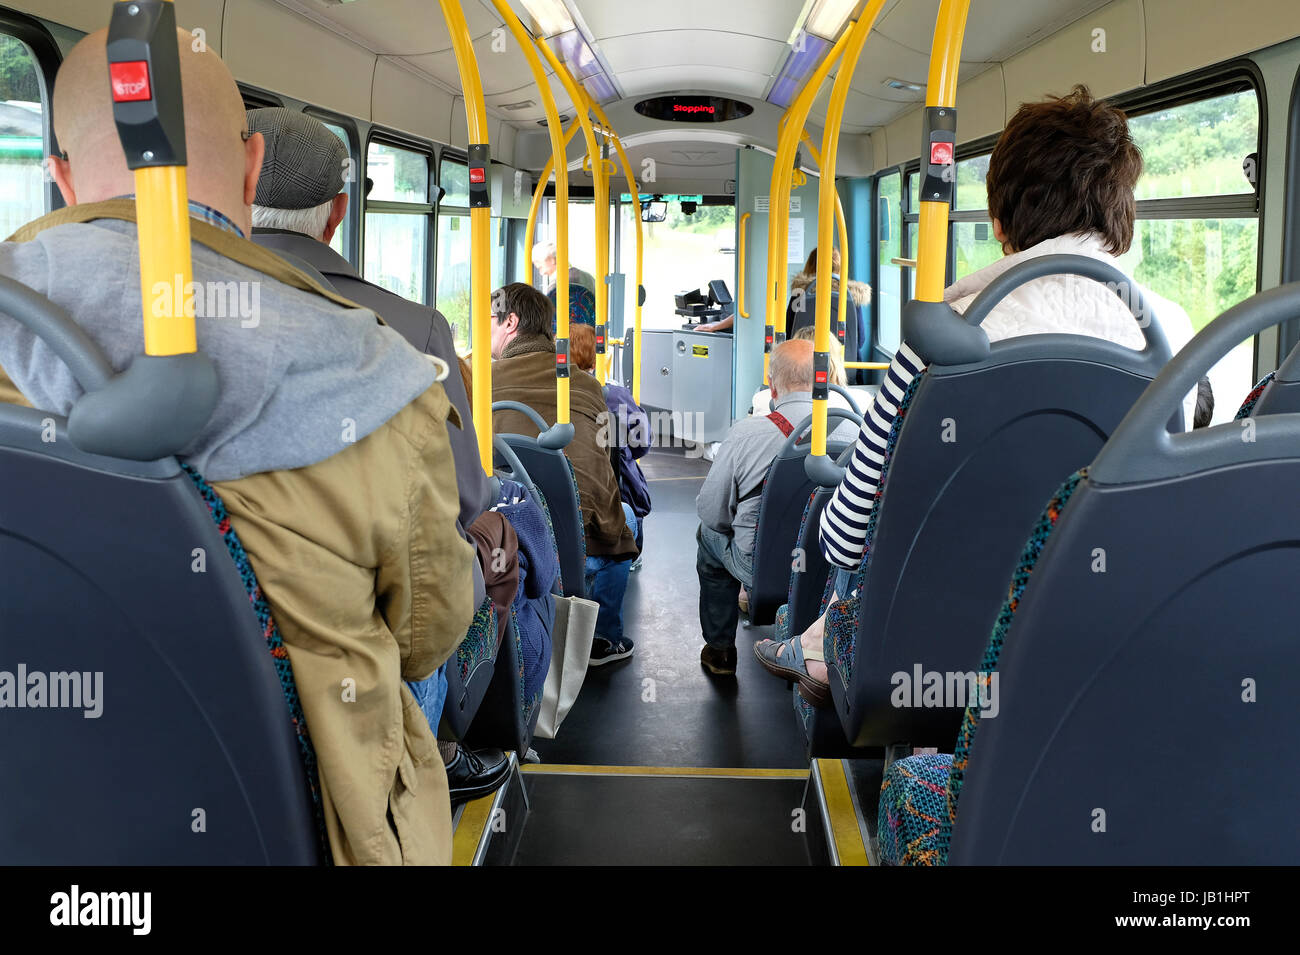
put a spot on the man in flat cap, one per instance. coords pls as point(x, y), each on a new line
point(300, 202)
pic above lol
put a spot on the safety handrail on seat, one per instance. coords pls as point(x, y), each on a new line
point(52, 324)
point(554, 437)
point(156, 407)
point(1142, 448)
point(847, 396)
point(805, 427)
point(518, 472)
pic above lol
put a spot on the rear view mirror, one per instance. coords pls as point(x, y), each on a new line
point(886, 233)
point(654, 212)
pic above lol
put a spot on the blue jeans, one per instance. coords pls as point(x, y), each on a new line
point(607, 585)
point(431, 694)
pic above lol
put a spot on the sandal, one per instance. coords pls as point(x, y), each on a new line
point(814, 691)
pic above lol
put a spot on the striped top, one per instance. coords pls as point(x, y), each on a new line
point(844, 522)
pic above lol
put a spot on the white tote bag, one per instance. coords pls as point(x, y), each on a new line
point(571, 639)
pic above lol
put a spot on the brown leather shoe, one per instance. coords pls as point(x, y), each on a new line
point(719, 662)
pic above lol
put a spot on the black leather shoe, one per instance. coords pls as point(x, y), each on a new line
point(475, 773)
point(719, 662)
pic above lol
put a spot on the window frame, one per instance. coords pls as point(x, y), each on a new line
point(356, 188)
point(47, 56)
point(386, 137)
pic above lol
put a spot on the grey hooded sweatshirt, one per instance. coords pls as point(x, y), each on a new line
point(300, 376)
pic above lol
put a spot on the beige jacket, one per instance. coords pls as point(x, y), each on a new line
point(370, 584)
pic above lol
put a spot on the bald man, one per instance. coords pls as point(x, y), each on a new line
point(328, 446)
point(729, 500)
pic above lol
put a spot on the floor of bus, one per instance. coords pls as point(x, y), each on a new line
point(661, 708)
point(658, 762)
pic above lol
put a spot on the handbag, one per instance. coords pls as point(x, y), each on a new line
point(575, 629)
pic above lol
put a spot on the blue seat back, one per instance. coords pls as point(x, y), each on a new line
point(553, 476)
point(980, 445)
point(1145, 707)
point(193, 758)
point(780, 514)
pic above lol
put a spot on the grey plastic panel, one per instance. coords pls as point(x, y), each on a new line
point(152, 410)
point(1143, 450)
point(940, 336)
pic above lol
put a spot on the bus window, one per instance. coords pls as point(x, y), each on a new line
point(22, 111)
point(1205, 263)
point(453, 279)
point(889, 304)
point(397, 235)
point(681, 253)
point(973, 245)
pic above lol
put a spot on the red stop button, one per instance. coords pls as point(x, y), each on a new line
point(941, 154)
point(477, 176)
point(130, 81)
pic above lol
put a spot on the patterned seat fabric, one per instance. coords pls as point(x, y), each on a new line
point(480, 643)
point(1252, 399)
point(274, 646)
point(582, 306)
point(840, 642)
point(905, 816)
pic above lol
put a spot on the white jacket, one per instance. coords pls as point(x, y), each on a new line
point(1069, 304)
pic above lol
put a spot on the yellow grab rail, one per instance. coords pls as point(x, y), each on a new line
point(559, 160)
point(161, 191)
point(778, 227)
point(868, 365)
point(940, 102)
point(740, 267)
point(634, 190)
point(577, 96)
point(842, 229)
point(480, 269)
point(828, 196)
point(530, 231)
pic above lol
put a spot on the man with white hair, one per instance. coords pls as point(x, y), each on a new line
point(729, 501)
point(545, 263)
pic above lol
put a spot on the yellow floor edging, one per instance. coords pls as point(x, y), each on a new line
point(840, 813)
point(742, 773)
point(469, 831)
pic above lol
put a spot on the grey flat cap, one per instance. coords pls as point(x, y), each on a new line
point(304, 161)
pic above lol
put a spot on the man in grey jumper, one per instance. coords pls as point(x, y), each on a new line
point(729, 501)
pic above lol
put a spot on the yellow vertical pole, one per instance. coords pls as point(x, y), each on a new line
point(559, 161)
point(828, 195)
point(161, 191)
point(634, 189)
point(577, 96)
point(842, 230)
point(480, 225)
point(530, 232)
point(740, 266)
point(778, 228)
point(941, 99)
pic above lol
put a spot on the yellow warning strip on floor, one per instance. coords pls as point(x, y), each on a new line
point(841, 814)
point(469, 831)
point(698, 771)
